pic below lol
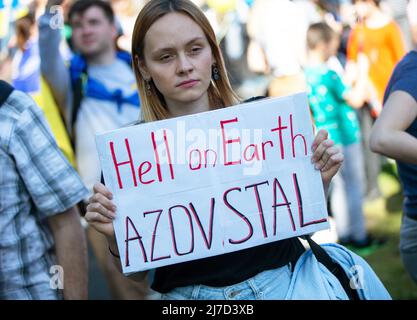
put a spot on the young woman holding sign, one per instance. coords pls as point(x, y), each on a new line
point(180, 71)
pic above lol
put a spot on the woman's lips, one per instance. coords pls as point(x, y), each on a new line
point(188, 84)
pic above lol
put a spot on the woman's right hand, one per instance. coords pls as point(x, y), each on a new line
point(101, 211)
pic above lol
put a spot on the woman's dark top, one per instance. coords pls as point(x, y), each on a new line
point(230, 268)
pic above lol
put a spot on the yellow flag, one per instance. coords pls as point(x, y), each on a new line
point(46, 102)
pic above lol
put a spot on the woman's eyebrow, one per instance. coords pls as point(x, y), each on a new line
point(164, 49)
point(194, 40)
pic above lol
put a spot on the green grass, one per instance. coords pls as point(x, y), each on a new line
point(384, 219)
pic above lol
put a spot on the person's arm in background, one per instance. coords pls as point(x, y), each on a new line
point(359, 92)
point(388, 135)
point(363, 90)
point(71, 252)
point(354, 95)
point(53, 68)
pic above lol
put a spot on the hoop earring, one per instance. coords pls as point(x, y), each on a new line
point(215, 73)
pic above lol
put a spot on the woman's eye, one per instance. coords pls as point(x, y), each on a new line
point(165, 57)
point(195, 50)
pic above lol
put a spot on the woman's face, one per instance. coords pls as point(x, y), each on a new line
point(178, 58)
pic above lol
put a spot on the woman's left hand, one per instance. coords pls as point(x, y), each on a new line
point(326, 157)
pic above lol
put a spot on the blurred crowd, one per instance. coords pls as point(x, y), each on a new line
point(341, 52)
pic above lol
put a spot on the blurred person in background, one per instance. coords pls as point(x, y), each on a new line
point(379, 38)
point(7, 11)
point(395, 135)
point(4, 28)
point(26, 62)
point(331, 104)
point(97, 93)
point(232, 37)
point(43, 249)
point(277, 29)
point(26, 76)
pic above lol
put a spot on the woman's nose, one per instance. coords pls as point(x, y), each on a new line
point(184, 64)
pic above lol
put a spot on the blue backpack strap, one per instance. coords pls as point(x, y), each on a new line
point(5, 91)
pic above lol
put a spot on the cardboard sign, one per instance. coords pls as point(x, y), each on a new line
point(214, 182)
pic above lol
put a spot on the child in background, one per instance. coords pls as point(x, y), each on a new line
point(331, 104)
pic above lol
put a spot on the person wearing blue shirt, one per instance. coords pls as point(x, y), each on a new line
point(395, 135)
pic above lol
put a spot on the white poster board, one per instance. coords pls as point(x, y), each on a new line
point(214, 182)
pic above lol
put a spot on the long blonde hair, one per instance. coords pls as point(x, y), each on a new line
point(220, 92)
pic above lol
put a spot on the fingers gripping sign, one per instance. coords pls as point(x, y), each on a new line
point(101, 211)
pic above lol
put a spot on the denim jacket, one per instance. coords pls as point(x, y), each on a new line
point(312, 280)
